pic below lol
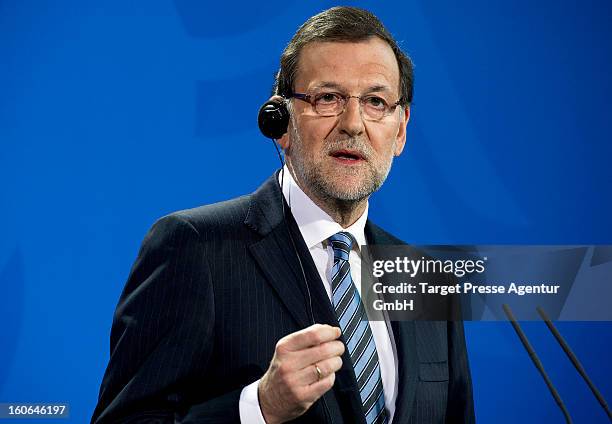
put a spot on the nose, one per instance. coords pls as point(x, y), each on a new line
point(351, 121)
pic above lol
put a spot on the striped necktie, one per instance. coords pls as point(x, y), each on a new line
point(356, 331)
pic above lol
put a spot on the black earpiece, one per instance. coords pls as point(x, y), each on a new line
point(273, 118)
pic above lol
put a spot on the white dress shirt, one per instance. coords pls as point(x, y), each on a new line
point(316, 227)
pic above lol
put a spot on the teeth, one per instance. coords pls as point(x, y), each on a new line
point(343, 156)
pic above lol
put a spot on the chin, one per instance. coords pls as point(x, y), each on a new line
point(348, 191)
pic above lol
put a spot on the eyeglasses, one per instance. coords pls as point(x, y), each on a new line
point(373, 108)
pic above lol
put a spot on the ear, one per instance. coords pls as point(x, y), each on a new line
point(400, 140)
point(284, 140)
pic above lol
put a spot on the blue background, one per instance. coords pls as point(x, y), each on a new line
point(115, 113)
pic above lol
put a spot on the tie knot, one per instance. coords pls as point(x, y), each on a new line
point(341, 243)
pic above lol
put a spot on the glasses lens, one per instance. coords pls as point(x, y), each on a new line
point(374, 107)
point(328, 104)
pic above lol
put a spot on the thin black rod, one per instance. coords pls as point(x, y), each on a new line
point(536, 361)
point(572, 357)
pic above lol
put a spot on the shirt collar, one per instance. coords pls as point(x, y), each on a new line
point(315, 224)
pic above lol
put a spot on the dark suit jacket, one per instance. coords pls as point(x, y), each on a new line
point(212, 291)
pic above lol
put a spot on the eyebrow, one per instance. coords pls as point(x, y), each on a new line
point(372, 89)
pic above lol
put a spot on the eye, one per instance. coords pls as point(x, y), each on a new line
point(327, 98)
point(375, 102)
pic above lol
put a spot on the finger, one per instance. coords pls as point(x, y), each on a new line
point(317, 389)
point(309, 374)
point(303, 358)
point(310, 336)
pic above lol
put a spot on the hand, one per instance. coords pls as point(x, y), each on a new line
point(292, 383)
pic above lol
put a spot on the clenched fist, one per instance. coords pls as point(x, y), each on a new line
point(303, 368)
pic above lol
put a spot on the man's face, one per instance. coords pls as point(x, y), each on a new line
point(345, 157)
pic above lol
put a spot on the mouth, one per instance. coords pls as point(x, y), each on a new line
point(347, 156)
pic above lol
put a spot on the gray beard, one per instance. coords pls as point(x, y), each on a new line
point(312, 176)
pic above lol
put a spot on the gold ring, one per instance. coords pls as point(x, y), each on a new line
point(319, 373)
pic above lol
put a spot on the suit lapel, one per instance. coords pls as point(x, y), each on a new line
point(280, 273)
point(277, 258)
point(405, 342)
point(274, 252)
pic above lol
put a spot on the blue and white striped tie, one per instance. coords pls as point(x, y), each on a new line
point(356, 330)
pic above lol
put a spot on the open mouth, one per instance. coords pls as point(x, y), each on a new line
point(347, 155)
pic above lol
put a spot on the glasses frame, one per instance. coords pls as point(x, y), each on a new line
point(309, 98)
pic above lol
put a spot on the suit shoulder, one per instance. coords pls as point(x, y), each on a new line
point(381, 236)
point(221, 216)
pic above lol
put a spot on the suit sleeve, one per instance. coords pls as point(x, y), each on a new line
point(460, 408)
point(162, 336)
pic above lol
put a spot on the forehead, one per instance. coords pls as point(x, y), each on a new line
point(349, 65)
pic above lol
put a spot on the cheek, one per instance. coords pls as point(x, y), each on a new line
point(317, 125)
point(384, 143)
point(313, 137)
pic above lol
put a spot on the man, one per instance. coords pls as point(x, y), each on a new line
point(216, 322)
